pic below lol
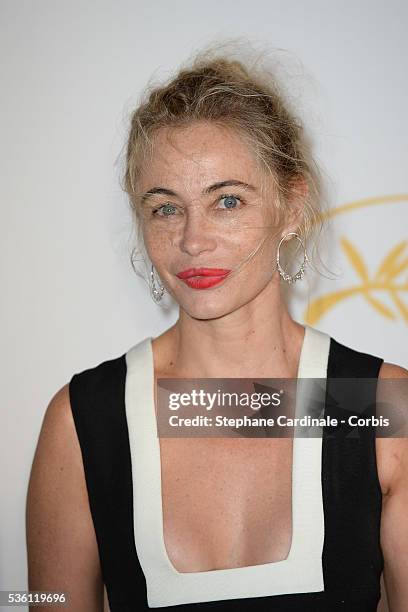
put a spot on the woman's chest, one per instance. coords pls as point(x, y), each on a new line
point(226, 502)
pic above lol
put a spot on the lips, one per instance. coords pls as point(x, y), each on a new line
point(203, 278)
point(202, 272)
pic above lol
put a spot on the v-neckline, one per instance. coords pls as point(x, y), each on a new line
point(300, 571)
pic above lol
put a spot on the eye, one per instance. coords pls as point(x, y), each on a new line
point(230, 201)
point(165, 208)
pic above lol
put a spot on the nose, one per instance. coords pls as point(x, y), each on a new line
point(197, 235)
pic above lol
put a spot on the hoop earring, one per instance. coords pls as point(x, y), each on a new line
point(156, 292)
point(299, 274)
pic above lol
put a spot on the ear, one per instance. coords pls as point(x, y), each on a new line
point(295, 202)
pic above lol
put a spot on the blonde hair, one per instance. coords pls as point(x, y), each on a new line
point(240, 94)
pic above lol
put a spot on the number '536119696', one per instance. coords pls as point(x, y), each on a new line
point(32, 598)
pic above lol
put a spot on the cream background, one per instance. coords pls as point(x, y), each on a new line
point(71, 73)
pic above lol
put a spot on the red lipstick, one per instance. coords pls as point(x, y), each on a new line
point(203, 278)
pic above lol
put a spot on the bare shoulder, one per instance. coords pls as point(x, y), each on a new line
point(58, 427)
point(391, 370)
point(57, 449)
point(392, 453)
point(62, 550)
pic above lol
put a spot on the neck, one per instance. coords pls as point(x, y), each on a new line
point(260, 339)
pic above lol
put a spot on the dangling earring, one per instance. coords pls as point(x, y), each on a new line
point(287, 277)
point(156, 292)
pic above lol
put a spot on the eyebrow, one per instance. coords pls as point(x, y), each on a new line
point(206, 191)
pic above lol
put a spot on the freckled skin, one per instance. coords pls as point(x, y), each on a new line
point(218, 494)
point(187, 161)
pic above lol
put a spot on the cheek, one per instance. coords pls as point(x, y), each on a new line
point(258, 242)
point(157, 242)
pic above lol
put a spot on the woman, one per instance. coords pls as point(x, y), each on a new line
point(222, 183)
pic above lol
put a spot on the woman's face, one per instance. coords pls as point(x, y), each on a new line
point(201, 207)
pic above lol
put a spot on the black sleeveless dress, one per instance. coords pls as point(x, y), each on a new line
point(335, 561)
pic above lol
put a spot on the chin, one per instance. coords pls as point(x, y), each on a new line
point(205, 309)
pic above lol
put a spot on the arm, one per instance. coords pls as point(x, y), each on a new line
point(61, 543)
point(394, 517)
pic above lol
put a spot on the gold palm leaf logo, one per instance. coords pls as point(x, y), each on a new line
point(386, 279)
